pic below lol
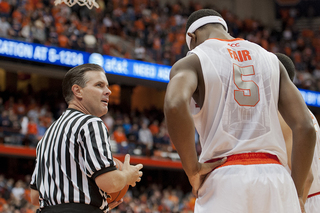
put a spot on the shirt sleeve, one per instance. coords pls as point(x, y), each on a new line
point(96, 147)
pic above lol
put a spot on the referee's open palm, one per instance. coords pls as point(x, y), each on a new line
point(134, 173)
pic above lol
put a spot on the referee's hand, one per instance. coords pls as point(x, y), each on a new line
point(133, 172)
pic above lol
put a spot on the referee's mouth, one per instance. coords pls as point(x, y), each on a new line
point(105, 101)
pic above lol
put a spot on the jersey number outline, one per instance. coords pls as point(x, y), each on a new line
point(250, 86)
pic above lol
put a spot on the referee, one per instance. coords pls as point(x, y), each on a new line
point(74, 165)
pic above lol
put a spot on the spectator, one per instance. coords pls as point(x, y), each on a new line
point(38, 32)
point(33, 112)
point(44, 122)
point(4, 119)
point(146, 140)
point(121, 139)
point(24, 126)
point(4, 27)
point(90, 41)
point(133, 137)
point(32, 133)
point(19, 108)
point(108, 121)
point(5, 9)
point(154, 128)
point(26, 32)
point(139, 51)
point(15, 28)
point(18, 190)
point(126, 125)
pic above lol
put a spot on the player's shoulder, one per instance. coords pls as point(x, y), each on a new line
point(188, 62)
point(191, 62)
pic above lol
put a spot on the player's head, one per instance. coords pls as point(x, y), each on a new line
point(199, 19)
point(288, 64)
point(76, 76)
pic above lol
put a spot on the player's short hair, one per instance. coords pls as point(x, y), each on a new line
point(288, 64)
point(76, 76)
point(199, 14)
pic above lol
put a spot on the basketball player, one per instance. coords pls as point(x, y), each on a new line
point(230, 90)
point(311, 195)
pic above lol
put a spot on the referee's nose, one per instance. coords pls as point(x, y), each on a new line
point(108, 91)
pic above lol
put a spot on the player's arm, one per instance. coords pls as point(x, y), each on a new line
point(183, 83)
point(295, 113)
point(287, 134)
point(307, 186)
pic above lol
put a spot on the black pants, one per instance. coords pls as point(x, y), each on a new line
point(71, 208)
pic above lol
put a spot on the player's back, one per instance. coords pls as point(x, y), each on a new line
point(239, 112)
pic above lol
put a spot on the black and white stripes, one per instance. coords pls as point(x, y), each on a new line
point(72, 153)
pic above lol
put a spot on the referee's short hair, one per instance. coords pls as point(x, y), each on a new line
point(76, 76)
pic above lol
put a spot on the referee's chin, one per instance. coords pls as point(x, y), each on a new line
point(103, 113)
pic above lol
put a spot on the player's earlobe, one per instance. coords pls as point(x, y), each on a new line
point(193, 40)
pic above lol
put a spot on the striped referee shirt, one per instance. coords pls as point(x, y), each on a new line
point(72, 153)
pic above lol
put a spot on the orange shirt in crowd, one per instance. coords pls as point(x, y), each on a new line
point(32, 128)
point(63, 41)
point(154, 129)
point(2, 202)
point(27, 194)
point(139, 24)
point(17, 15)
point(5, 7)
point(119, 136)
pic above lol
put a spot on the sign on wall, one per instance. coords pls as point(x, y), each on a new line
point(71, 58)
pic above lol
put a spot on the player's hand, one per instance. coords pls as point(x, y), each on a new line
point(133, 172)
point(115, 204)
point(198, 178)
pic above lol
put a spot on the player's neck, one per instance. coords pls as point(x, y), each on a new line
point(219, 34)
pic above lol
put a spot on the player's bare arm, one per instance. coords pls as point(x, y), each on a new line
point(296, 115)
point(287, 134)
point(182, 86)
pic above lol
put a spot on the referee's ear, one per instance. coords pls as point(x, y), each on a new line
point(77, 91)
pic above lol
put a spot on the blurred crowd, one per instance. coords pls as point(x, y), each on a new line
point(15, 195)
point(154, 31)
point(23, 122)
point(15, 198)
point(151, 31)
point(155, 199)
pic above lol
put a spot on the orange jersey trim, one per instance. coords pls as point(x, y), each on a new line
point(231, 40)
point(248, 159)
point(314, 194)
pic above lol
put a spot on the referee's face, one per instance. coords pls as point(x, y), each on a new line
point(95, 95)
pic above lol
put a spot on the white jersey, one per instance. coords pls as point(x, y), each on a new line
point(240, 109)
point(315, 166)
